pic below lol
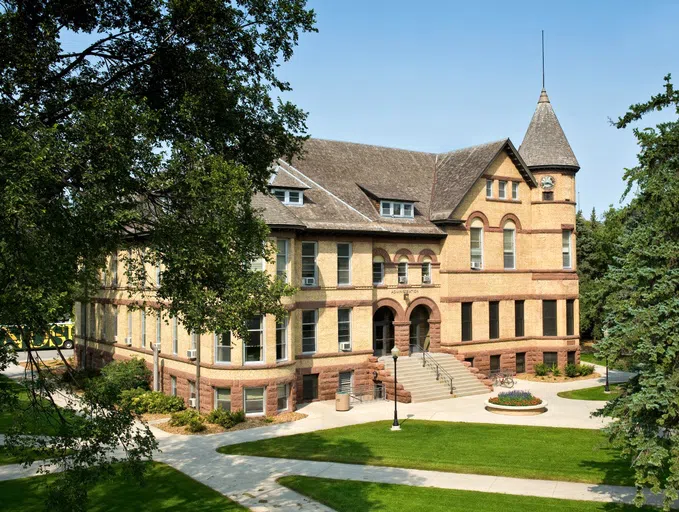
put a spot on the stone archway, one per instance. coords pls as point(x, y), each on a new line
point(389, 324)
point(421, 310)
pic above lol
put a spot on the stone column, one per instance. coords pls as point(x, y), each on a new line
point(434, 335)
point(402, 337)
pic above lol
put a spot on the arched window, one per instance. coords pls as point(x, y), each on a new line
point(476, 244)
point(426, 271)
point(378, 270)
point(509, 245)
point(403, 270)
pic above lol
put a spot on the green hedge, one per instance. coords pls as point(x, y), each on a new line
point(154, 402)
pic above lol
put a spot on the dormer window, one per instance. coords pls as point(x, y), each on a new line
point(397, 209)
point(289, 197)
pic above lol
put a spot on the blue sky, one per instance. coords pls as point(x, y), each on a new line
point(441, 75)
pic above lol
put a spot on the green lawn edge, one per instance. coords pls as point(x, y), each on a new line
point(164, 488)
point(351, 496)
point(596, 393)
point(548, 453)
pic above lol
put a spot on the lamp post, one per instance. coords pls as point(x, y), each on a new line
point(607, 388)
point(395, 353)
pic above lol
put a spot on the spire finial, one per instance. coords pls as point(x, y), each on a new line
point(543, 60)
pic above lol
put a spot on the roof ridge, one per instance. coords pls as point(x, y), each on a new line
point(373, 146)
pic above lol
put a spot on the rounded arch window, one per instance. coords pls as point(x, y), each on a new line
point(403, 270)
point(378, 270)
point(509, 245)
point(476, 243)
point(426, 270)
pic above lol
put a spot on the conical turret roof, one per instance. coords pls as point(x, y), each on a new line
point(545, 145)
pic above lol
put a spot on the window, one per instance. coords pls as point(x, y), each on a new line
point(503, 190)
point(253, 346)
point(282, 400)
point(253, 399)
point(129, 323)
point(282, 259)
point(509, 239)
point(343, 263)
point(194, 341)
point(310, 387)
point(466, 321)
point(309, 263)
point(345, 381)
point(494, 319)
point(397, 209)
point(519, 318)
point(521, 362)
point(378, 270)
point(344, 329)
point(223, 347)
point(476, 247)
point(548, 196)
point(550, 359)
point(114, 269)
point(570, 317)
point(426, 272)
point(515, 190)
point(489, 188)
point(289, 197)
point(143, 328)
point(566, 248)
point(192, 390)
point(258, 265)
point(570, 357)
point(173, 385)
point(115, 323)
point(494, 363)
point(159, 323)
point(469, 360)
point(175, 337)
point(282, 339)
point(223, 398)
point(549, 318)
point(158, 275)
point(403, 271)
point(309, 330)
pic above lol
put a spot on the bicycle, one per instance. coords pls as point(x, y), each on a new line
point(502, 378)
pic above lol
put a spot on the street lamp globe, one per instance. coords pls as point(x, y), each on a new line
point(395, 352)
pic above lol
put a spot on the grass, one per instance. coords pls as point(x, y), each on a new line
point(595, 393)
point(164, 489)
point(590, 357)
point(347, 496)
point(576, 455)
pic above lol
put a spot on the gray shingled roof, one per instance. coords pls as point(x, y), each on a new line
point(284, 179)
point(545, 144)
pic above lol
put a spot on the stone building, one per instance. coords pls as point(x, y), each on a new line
point(469, 253)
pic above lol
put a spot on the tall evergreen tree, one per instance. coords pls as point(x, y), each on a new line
point(643, 304)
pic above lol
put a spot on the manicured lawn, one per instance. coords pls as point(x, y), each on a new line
point(596, 393)
point(576, 455)
point(346, 496)
point(164, 489)
point(590, 357)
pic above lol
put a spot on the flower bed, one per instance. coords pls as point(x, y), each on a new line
point(515, 398)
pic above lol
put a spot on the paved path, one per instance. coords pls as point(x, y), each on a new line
point(252, 480)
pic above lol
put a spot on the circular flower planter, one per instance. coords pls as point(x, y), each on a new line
point(517, 410)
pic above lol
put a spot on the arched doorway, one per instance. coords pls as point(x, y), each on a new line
point(383, 331)
point(419, 329)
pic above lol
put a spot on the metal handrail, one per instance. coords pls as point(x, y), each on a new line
point(428, 360)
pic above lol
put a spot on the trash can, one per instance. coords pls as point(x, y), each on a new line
point(341, 401)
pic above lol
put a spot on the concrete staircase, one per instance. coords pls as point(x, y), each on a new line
point(422, 384)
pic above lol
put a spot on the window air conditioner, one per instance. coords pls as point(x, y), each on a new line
point(115, 338)
point(128, 341)
point(191, 354)
point(345, 346)
point(157, 346)
point(402, 280)
point(192, 402)
point(476, 265)
point(309, 281)
point(426, 279)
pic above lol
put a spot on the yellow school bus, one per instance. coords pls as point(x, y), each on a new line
point(60, 335)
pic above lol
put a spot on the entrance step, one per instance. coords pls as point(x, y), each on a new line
point(421, 381)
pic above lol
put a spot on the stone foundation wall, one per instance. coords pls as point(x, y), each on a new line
point(508, 357)
point(328, 379)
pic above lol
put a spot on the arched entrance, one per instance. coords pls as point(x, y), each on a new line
point(419, 329)
point(383, 331)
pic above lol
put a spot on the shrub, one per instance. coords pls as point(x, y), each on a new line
point(195, 425)
point(556, 371)
point(226, 419)
point(585, 369)
point(515, 398)
point(154, 402)
point(571, 370)
point(541, 369)
point(183, 418)
point(122, 375)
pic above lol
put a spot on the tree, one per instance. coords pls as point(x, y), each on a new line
point(152, 136)
point(642, 310)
